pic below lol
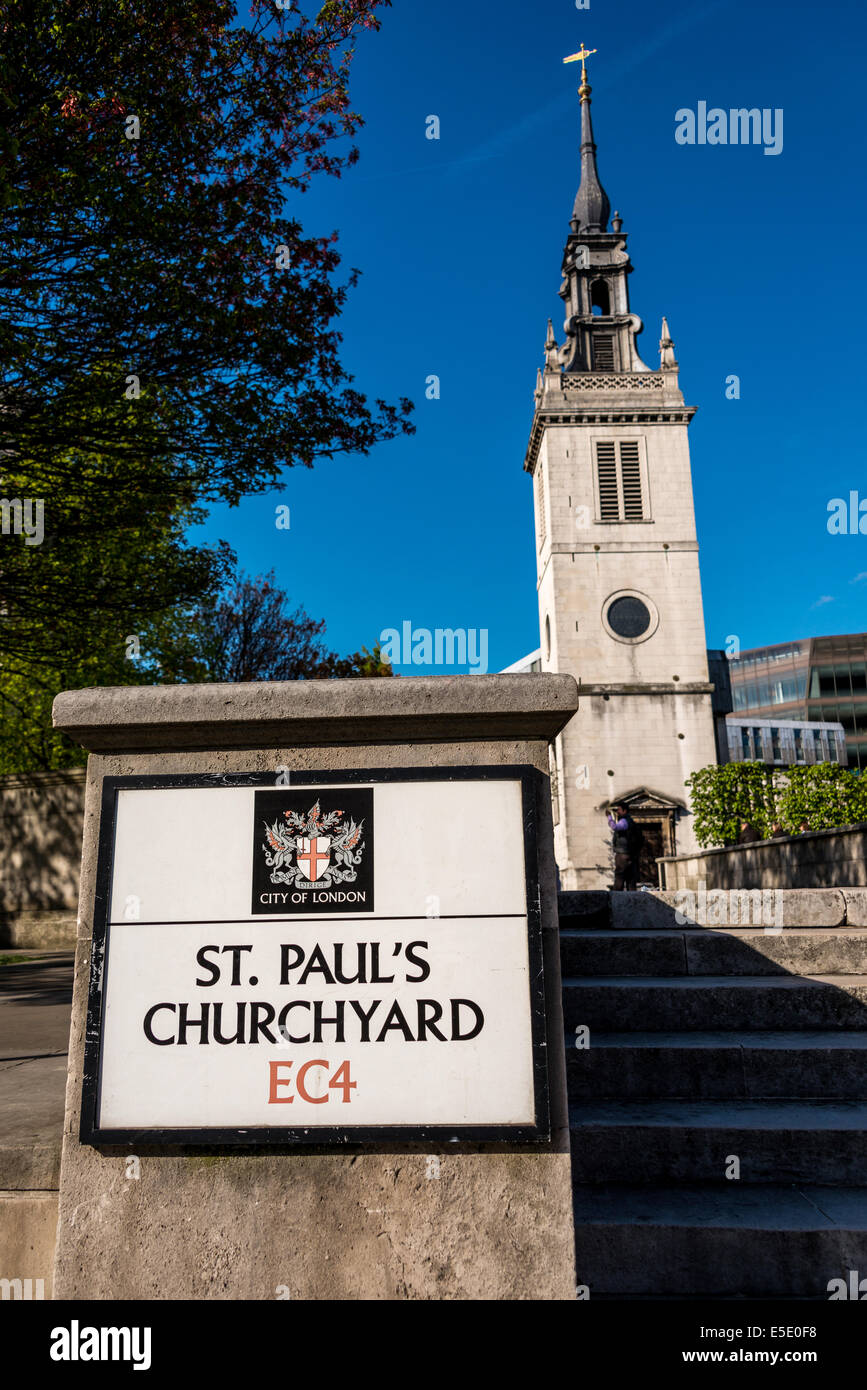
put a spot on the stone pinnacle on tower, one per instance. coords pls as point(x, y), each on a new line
point(666, 348)
point(592, 208)
point(552, 351)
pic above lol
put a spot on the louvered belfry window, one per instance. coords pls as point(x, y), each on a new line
point(618, 474)
point(603, 353)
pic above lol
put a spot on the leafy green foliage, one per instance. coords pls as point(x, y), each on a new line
point(824, 794)
point(167, 332)
point(251, 633)
point(114, 554)
point(248, 632)
point(167, 326)
point(723, 796)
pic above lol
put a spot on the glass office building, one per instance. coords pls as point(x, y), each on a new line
point(820, 679)
point(784, 741)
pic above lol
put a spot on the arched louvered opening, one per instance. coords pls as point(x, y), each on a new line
point(600, 301)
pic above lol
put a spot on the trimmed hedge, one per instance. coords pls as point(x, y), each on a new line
point(824, 794)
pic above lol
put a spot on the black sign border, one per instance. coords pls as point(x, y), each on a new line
point(533, 785)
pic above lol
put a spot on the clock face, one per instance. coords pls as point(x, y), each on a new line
point(628, 617)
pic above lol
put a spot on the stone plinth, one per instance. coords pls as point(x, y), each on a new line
point(361, 1221)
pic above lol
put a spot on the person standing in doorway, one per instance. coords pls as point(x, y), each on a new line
point(627, 844)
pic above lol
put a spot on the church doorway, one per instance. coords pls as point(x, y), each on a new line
point(656, 816)
point(652, 848)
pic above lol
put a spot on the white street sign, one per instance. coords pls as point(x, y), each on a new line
point(283, 978)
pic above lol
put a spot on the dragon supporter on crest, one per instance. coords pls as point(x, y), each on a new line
point(313, 850)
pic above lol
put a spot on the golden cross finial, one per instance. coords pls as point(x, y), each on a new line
point(581, 56)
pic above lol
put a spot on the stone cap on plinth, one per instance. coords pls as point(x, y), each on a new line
point(294, 713)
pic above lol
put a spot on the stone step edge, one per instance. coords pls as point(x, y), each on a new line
point(744, 933)
point(780, 1040)
point(632, 982)
point(748, 1115)
point(761, 1206)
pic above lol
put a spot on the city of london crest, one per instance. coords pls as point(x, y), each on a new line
point(312, 849)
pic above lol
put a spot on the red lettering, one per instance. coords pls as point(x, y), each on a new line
point(278, 1080)
point(340, 1081)
point(302, 1091)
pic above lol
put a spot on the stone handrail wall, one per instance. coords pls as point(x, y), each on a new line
point(818, 859)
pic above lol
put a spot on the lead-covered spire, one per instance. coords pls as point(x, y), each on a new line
point(592, 208)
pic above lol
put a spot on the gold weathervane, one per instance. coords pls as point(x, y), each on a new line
point(581, 56)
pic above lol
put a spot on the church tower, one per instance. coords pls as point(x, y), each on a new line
point(617, 557)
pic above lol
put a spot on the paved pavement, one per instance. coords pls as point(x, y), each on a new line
point(35, 1000)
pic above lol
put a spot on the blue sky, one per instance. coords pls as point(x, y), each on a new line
point(756, 260)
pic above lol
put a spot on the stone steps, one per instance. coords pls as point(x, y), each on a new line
point(724, 1240)
point(706, 951)
point(720, 1066)
point(780, 1141)
point(827, 908)
point(707, 1002)
point(707, 1043)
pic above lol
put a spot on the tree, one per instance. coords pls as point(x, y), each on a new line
point(361, 663)
point(113, 555)
point(251, 634)
point(167, 327)
point(86, 602)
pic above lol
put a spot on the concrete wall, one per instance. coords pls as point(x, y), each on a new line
point(28, 1233)
point(820, 859)
point(41, 819)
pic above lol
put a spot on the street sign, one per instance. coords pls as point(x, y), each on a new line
point(352, 957)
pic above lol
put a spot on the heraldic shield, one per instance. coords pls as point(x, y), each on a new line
point(314, 856)
point(313, 850)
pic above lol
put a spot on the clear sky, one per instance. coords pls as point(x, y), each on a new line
point(757, 260)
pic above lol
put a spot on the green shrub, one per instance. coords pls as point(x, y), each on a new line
point(824, 794)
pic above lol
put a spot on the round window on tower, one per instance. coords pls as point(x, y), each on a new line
point(630, 617)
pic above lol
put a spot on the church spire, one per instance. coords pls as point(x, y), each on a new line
point(592, 208)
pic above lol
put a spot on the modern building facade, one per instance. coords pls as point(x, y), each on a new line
point(783, 742)
point(620, 602)
point(527, 666)
point(821, 679)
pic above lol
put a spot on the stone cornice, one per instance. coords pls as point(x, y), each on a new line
point(294, 713)
point(601, 414)
point(619, 547)
point(649, 688)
